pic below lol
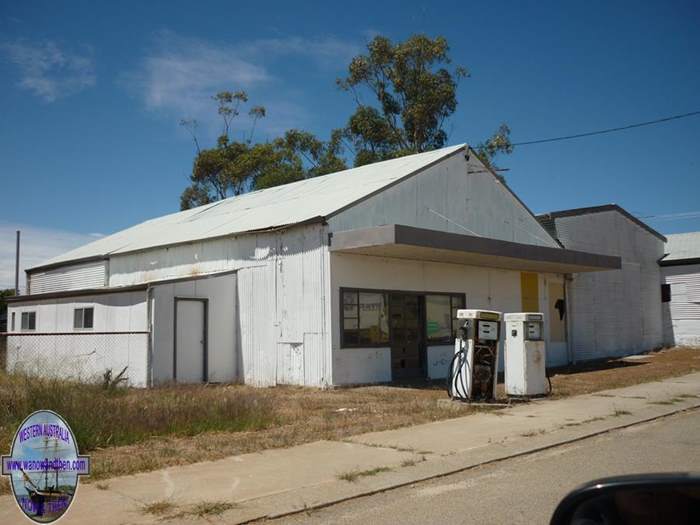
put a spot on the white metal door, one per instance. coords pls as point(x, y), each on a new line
point(190, 340)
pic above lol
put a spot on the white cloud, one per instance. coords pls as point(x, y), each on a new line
point(49, 71)
point(182, 74)
point(37, 246)
point(179, 75)
point(328, 52)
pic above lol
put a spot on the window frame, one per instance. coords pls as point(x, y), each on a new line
point(29, 314)
point(386, 292)
point(82, 309)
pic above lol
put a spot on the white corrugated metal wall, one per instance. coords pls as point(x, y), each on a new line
point(281, 294)
point(220, 292)
point(614, 312)
point(66, 278)
point(456, 196)
point(82, 353)
point(682, 313)
point(283, 312)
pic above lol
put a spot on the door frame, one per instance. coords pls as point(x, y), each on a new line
point(422, 335)
point(205, 336)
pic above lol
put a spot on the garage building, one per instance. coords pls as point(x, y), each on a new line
point(352, 277)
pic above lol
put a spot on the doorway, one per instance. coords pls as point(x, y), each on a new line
point(190, 342)
point(406, 312)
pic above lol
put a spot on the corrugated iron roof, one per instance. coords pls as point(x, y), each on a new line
point(682, 246)
point(295, 203)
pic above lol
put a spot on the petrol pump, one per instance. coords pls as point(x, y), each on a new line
point(472, 375)
point(525, 354)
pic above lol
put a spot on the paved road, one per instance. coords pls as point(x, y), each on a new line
point(526, 490)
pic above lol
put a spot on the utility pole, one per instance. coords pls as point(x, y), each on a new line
point(17, 266)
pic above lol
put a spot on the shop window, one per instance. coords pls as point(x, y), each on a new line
point(441, 317)
point(365, 318)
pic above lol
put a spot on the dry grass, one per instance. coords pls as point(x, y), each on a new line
point(595, 376)
point(354, 475)
point(210, 508)
point(131, 430)
point(158, 508)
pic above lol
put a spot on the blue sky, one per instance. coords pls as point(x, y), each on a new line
point(92, 94)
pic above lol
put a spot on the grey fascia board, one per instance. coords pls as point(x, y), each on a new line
point(420, 237)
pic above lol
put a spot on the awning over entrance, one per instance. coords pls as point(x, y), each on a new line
point(407, 242)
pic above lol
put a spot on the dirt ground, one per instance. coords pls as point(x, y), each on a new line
point(304, 414)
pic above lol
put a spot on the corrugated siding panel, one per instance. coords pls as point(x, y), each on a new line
point(682, 314)
point(315, 336)
point(283, 312)
point(614, 312)
point(301, 308)
point(77, 277)
point(256, 299)
point(685, 295)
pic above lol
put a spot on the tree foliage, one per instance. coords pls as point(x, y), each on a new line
point(413, 93)
point(405, 93)
point(4, 294)
point(234, 167)
point(497, 143)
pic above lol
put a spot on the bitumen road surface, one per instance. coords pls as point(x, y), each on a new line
point(526, 489)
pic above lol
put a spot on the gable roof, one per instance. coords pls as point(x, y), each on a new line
point(682, 247)
point(547, 219)
point(305, 201)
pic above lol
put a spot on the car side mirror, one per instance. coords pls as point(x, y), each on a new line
point(633, 500)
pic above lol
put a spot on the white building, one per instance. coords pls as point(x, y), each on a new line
point(680, 268)
point(617, 312)
point(352, 277)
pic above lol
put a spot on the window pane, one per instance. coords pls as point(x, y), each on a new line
point(87, 317)
point(350, 324)
point(665, 293)
point(350, 311)
point(25, 320)
point(32, 320)
point(374, 324)
point(349, 298)
point(438, 317)
point(12, 328)
point(78, 318)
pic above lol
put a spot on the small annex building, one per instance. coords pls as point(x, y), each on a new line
point(347, 278)
point(618, 312)
point(680, 269)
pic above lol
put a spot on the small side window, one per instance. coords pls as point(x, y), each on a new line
point(28, 320)
point(665, 293)
point(12, 323)
point(83, 318)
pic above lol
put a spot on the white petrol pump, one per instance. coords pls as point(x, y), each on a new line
point(472, 375)
point(525, 355)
